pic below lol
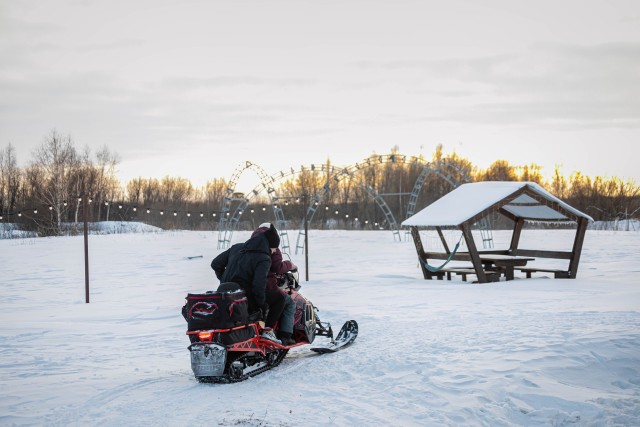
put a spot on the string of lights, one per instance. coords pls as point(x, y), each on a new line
point(119, 205)
point(132, 210)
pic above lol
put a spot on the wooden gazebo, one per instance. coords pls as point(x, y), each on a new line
point(518, 201)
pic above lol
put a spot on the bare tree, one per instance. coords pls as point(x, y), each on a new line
point(106, 181)
point(10, 177)
point(83, 179)
point(55, 158)
point(135, 190)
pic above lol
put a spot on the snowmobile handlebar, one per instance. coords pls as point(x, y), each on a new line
point(289, 280)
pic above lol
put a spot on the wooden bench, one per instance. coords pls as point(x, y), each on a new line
point(493, 276)
point(557, 273)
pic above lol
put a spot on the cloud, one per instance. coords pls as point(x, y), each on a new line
point(230, 81)
point(138, 119)
point(553, 85)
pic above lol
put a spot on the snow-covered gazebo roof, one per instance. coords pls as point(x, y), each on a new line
point(469, 202)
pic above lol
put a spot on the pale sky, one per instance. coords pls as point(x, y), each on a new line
point(195, 88)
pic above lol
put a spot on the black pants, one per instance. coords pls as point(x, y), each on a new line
point(276, 300)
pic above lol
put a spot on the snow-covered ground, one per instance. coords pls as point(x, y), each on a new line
point(528, 352)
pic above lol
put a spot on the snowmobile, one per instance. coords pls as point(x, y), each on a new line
point(226, 342)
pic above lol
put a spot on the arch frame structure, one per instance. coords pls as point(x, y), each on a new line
point(234, 204)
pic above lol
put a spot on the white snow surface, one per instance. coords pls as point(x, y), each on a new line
point(530, 352)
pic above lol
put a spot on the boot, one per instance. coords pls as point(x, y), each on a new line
point(286, 338)
point(268, 334)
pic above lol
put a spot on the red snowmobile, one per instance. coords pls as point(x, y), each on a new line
point(226, 343)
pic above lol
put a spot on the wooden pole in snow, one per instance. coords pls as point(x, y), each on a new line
point(85, 208)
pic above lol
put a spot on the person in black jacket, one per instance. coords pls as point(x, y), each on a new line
point(248, 264)
point(279, 266)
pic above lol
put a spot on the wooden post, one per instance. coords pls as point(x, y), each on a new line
point(417, 241)
point(473, 252)
point(515, 237)
point(443, 240)
point(577, 247)
point(85, 208)
point(306, 238)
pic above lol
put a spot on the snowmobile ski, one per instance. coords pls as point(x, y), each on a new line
point(346, 336)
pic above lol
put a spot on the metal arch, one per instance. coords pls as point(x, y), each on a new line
point(441, 169)
point(277, 211)
point(484, 224)
point(314, 202)
point(338, 173)
point(428, 167)
point(226, 224)
point(385, 209)
point(280, 225)
point(348, 171)
point(229, 223)
point(311, 211)
point(223, 224)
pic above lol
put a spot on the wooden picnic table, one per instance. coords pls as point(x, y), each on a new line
point(504, 262)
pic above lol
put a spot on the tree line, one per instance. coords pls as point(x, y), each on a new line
point(47, 195)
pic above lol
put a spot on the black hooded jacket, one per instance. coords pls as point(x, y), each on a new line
point(246, 264)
